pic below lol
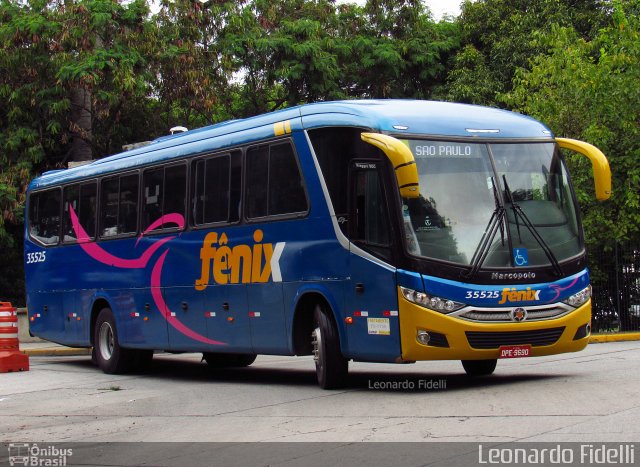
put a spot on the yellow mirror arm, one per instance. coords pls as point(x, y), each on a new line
point(599, 163)
point(402, 160)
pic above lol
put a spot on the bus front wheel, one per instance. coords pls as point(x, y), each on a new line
point(110, 357)
point(479, 367)
point(331, 366)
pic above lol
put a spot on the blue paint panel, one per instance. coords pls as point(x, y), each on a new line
point(230, 320)
point(138, 332)
point(410, 280)
point(507, 295)
point(375, 332)
point(267, 318)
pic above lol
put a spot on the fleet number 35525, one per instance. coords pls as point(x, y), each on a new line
point(482, 294)
point(37, 257)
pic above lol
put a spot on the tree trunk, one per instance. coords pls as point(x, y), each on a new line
point(81, 125)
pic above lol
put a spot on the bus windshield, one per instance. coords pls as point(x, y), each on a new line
point(518, 193)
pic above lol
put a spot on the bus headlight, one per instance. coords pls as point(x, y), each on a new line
point(579, 298)
point(432, 302)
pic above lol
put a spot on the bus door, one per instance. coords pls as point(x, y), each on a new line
point(372, 298)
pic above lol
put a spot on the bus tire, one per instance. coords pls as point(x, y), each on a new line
point(110, 357)
point(228, 360)
point(331, 366)
point(479, 367)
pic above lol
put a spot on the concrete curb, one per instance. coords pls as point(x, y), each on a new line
point(56, 351)
point(618, 337)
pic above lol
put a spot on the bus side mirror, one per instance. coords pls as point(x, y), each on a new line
point(402, 159)
point(599, 164)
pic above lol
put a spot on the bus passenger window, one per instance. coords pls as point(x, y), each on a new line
point(71, 200)
point(119, 205)
point(211, 190)
point(152, 193)
point(128, 211)
point(44, 217)
point(286, 193)
point(274, 182)
point(257, 181)
point(163, 192)
point(109, 207)
point(88, 203)
point(82, 198)
point(175, 194)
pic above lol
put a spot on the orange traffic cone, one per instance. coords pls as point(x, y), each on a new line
point(11, 359)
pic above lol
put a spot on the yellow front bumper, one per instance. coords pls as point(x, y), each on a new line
point(414, 318)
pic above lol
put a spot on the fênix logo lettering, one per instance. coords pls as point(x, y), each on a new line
point(242, 263)
point(513, 295)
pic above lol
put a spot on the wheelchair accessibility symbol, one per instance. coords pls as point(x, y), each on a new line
point(520, 257)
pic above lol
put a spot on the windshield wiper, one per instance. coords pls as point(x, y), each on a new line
point(518, 212)
point(497, 221)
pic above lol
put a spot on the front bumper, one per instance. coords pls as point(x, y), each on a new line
point(458, 339)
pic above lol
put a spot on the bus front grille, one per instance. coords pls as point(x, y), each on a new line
point(493, 340)
point(497, 315)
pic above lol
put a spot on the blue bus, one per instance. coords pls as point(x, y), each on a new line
point(372, 230)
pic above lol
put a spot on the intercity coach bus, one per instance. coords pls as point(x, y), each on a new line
point(373, 230)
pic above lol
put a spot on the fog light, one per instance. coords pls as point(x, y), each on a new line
point(588, 329)
point(423, 337)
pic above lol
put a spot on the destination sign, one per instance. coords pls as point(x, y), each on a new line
point(437, 149)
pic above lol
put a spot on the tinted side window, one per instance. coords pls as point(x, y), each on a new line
point(371, 225)
point(82, 198)
point(152, 193)
point(71, 200)
point(257, 181)
point(119, 205)
point(286, 192)
point(88, 208)
point(175, 196)
point(274, 182)
point(44, 217)
point(128, 209)
point(164, 192)
point(216, 190)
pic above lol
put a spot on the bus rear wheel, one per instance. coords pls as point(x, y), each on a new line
point(479, 367)
point(331, 366)
point(228, 360)
point(110, 357)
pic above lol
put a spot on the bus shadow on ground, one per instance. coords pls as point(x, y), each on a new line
point(192, 370)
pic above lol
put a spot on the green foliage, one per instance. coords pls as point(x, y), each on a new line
point(500, 36)
point(107, 72)
point(588, 89)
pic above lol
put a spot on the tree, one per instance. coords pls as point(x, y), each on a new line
point(73, 84)
point(500, 36)
point(588, 89)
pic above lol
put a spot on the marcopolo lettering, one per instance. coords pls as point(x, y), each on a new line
point(513, 295)
point(512, 275)
point(241, 264)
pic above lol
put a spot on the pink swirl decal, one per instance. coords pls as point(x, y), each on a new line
point(156, 292)
point(102, 256)
point(559, 289)
point(99, 254)
point(177, 219)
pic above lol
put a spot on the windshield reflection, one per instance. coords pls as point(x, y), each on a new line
point(459, 197)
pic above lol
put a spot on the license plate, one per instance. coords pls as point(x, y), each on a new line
point(515, 351)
